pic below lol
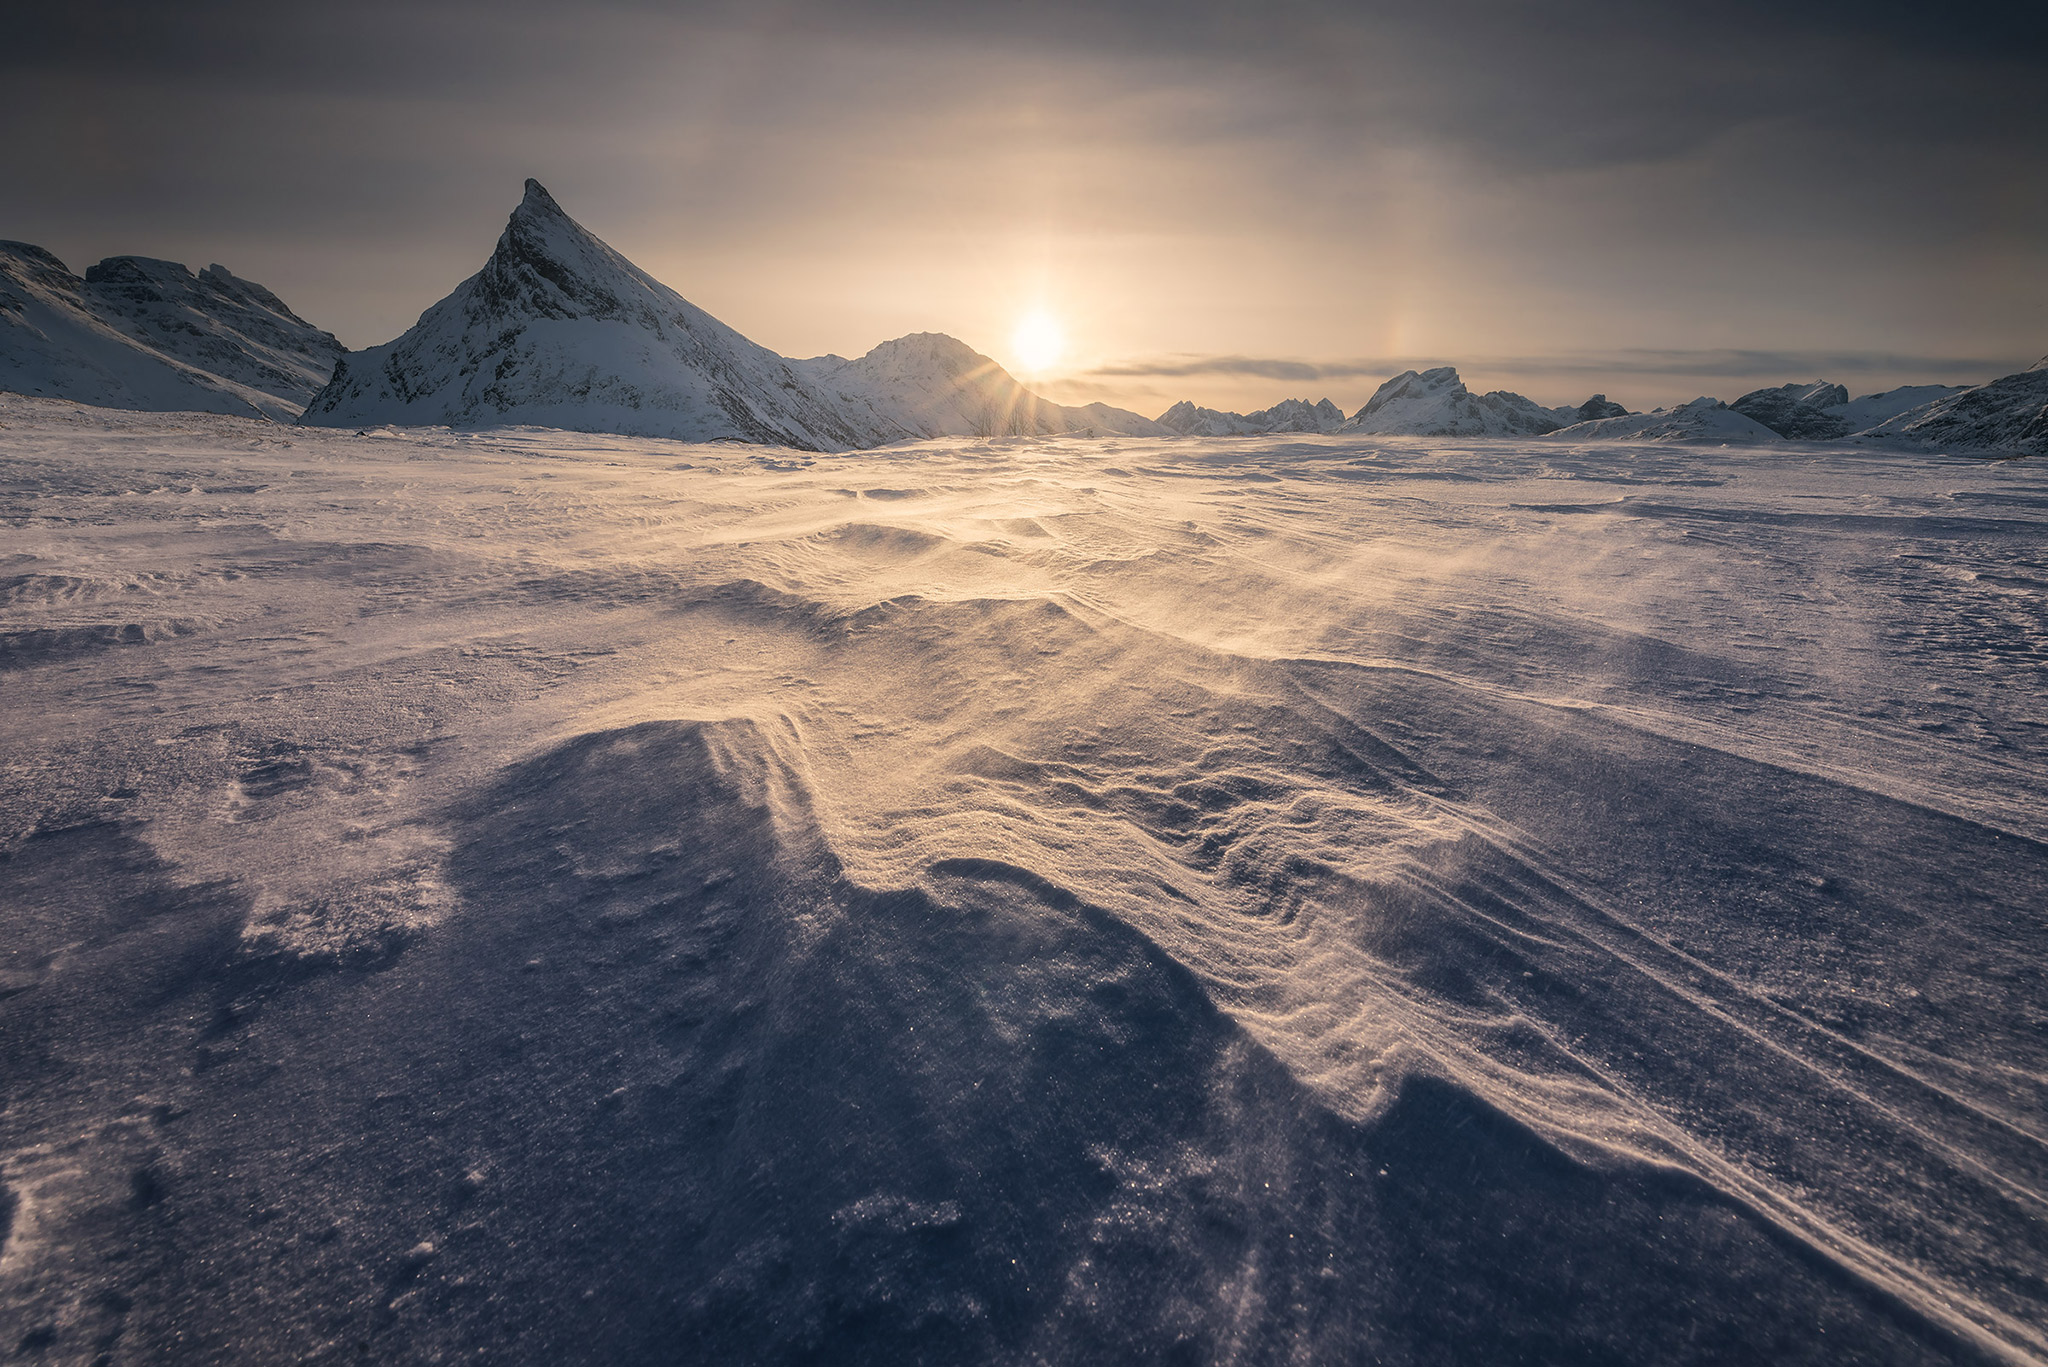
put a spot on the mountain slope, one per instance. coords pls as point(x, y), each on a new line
point(2007, 415)
point(559, 330)
point(1872, 409)
point(141, 333)
point(930, 385)
point(1435, 403)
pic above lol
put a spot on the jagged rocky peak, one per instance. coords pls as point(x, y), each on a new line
point(1436, 403)
point(548, 264)
point(1599, 407)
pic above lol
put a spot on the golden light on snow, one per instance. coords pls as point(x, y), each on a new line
point(1037, 342)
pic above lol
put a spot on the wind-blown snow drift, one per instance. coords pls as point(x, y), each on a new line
point(549, 898)
point(146, 334)
point(559, 330)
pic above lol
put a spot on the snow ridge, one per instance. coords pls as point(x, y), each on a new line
point(141, 333)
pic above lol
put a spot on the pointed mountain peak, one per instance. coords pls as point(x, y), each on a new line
point(538, 201)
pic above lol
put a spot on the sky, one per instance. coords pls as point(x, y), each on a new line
point(1231, 203)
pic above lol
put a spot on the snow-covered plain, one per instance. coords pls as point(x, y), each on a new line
point(546, 897)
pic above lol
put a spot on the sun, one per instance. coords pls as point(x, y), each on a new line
point(1037, 343)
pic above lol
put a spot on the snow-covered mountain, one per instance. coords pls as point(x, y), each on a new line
point(1289, 415)
point(141, 333)
point(2007, 415)
point(930, 385)
point(1702, 420)
point(1599, 406)
point(1435, 403)
point(559, 330)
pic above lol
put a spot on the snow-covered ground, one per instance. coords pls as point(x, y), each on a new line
point(547, 897)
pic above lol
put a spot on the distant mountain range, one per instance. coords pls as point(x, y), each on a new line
point(559, 330)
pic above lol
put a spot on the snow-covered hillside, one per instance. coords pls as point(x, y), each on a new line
point(2009, 415)
point(1435, 403)
point(930, 385)
point(146, 334)
point(1702, 420)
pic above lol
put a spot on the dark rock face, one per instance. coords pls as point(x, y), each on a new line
point(1794, 411)
point(1599, 407)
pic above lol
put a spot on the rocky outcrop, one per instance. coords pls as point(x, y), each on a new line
point(1599, 407)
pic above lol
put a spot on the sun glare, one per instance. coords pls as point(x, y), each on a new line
point(1037, 343)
